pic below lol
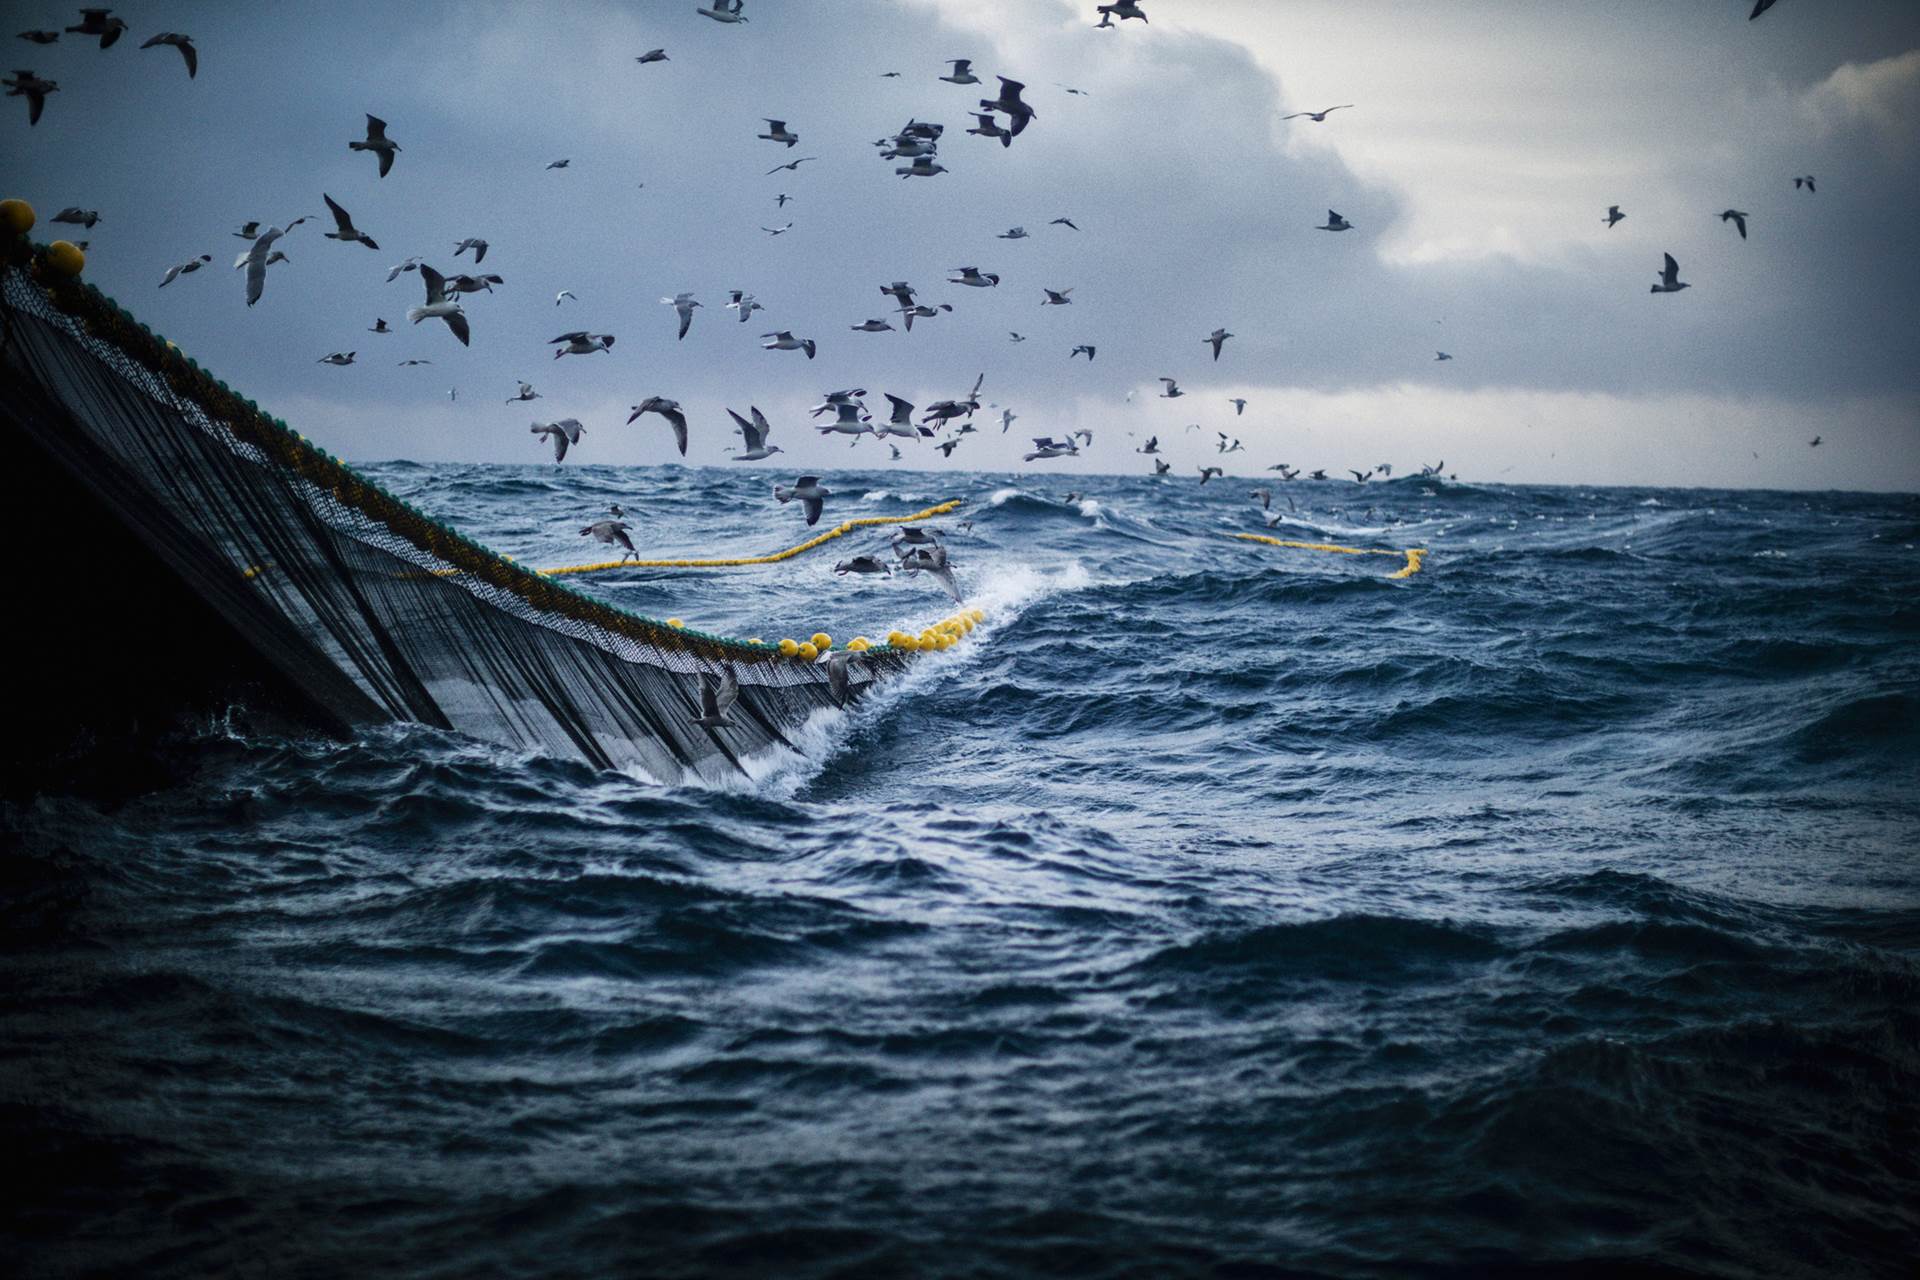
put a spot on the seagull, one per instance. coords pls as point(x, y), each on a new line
point(894, 449)
point(1217, 339)
point(95, 22)
point(1006, 420)
point(960, 74)
point(872, 326)
point(1759, 7)
point(563, 163)
point(900, 291)
point(1264, 497)
point(1239, 406)
point(438, 306)
point(922, 167)
point(344, 230)
point(946, 410)
point(1335, 223)
point(1014, 233)
point(262, 254)
point(1359, 477)
point(972, 276)
point(923, 312)
point(526, 392)
point(379, 326)
point(1047, 447)
point(610, 532)
point(1208, 473)
point(946, 447)
point(77, 216)
point(184, 44)
point(778, 231)
point(1013, 336)
point(807, 489)
point(565, 432)
point(1057, 297)
point(34, 89)
point(1086, 347)
point(755, 433)
point(1173, 391)
point(190, 265)
point(1063, 222)
point(988, 127)
point(377, 142)
point(1009, 101)
point(1082, 93)
point(834, 399)
point(742, 303)
point(341, 358)
point(1806, 182)
point(472, 284)
point(668, 409)
point(1151, 446)
point(684, 304)
point(41, 37)
point(580, 343)
point(1224, 447)
point(1441, 355)
point(411, 264)
point(564, 294)
point(652, 55)
point(777, 131)
point(248, 230)
point(723, 11)
point(479, 248)
point(1814, 443)
point(1318, 117)
point(785, 341)
point(408, 364)
point(932, 561)
point(901, 422)
point(791, 164)
point(1613, 215)
point(864, 564)
point(1670, 281)
point(718, 696)
point(1738, 219)
point(848, 421)
point(1121, 9)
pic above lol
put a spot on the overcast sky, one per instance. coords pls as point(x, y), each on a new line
point(1486, 141)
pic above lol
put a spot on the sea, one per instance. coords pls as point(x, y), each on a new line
point(1216, 909)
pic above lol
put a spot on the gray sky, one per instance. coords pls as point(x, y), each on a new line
point(1487, 139)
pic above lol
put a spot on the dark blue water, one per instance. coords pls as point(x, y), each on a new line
point(1214, 910)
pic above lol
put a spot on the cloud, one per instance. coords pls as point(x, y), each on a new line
point(1883, 95)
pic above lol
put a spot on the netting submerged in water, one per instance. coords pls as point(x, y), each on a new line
point(373, 609)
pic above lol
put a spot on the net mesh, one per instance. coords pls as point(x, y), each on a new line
point(374, 609)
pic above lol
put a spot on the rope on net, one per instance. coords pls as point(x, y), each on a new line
point(1414, 555)
point(844, 527)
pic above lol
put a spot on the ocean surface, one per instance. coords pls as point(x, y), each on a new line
point(1216, 909)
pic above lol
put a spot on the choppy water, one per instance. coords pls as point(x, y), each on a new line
point(1215, 910)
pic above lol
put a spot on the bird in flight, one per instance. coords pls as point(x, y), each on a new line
point(377, 142)
point(791, 164)
point(1738, 219)
point(1613, 215)
point(1670, 281)
point(1318, 117)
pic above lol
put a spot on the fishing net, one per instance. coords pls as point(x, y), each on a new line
point(371, 608)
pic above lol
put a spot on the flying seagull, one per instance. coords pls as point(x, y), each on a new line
point(1613, 215)
point(718, 696)
point(744, 304)
point(377, 142)
point(1087, 347)
point(1759, 7)
point(791, 164)
point(1121, 9)
point(1318, 117)
point(723, 10)
point(580, 343)
point(872, 326)
point(755, 433)
point(1208, 473)
point(379, 326)
point(610, 532)
point(684, 304)
point(1670, 281)
point(1806, 182)
point(97, 22)
point(33, 89)
point(41, 37)
point(1063, 222)
point(191, 264)
point(262, 254)
point(1056, 297)
point(563, 295)
point(652, 55)
point(1217, 339)
point(988, 127)
point(1239, 406)
point(184, 44)
point(1335, 223)
point(785, 341)
point(1738, 219)
point(526, 392)
point(777, 131)
point(563, 163)
point(565, 432)
point(78, 217)
point(1441, 355)
point(479, 248)
point(438, 306)
point(341, 358)
point(344, 230)
point(973, 276)
point(1014, 233)
point(668, 409)
point(807, 489)
point(1009, 101)
point(1173, 391)
point(960, 73)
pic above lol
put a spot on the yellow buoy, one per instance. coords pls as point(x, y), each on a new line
point(789, 646)
point(944, 643)
point(65, 257)
point(822, 641)
point(979, 615)
point(901, 640)
point(16, 217)
point(859, 644)
point(675, 623)
point(755, 640)
point(807, 651)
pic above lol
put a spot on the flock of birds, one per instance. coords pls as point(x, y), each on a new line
point(915, 148)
